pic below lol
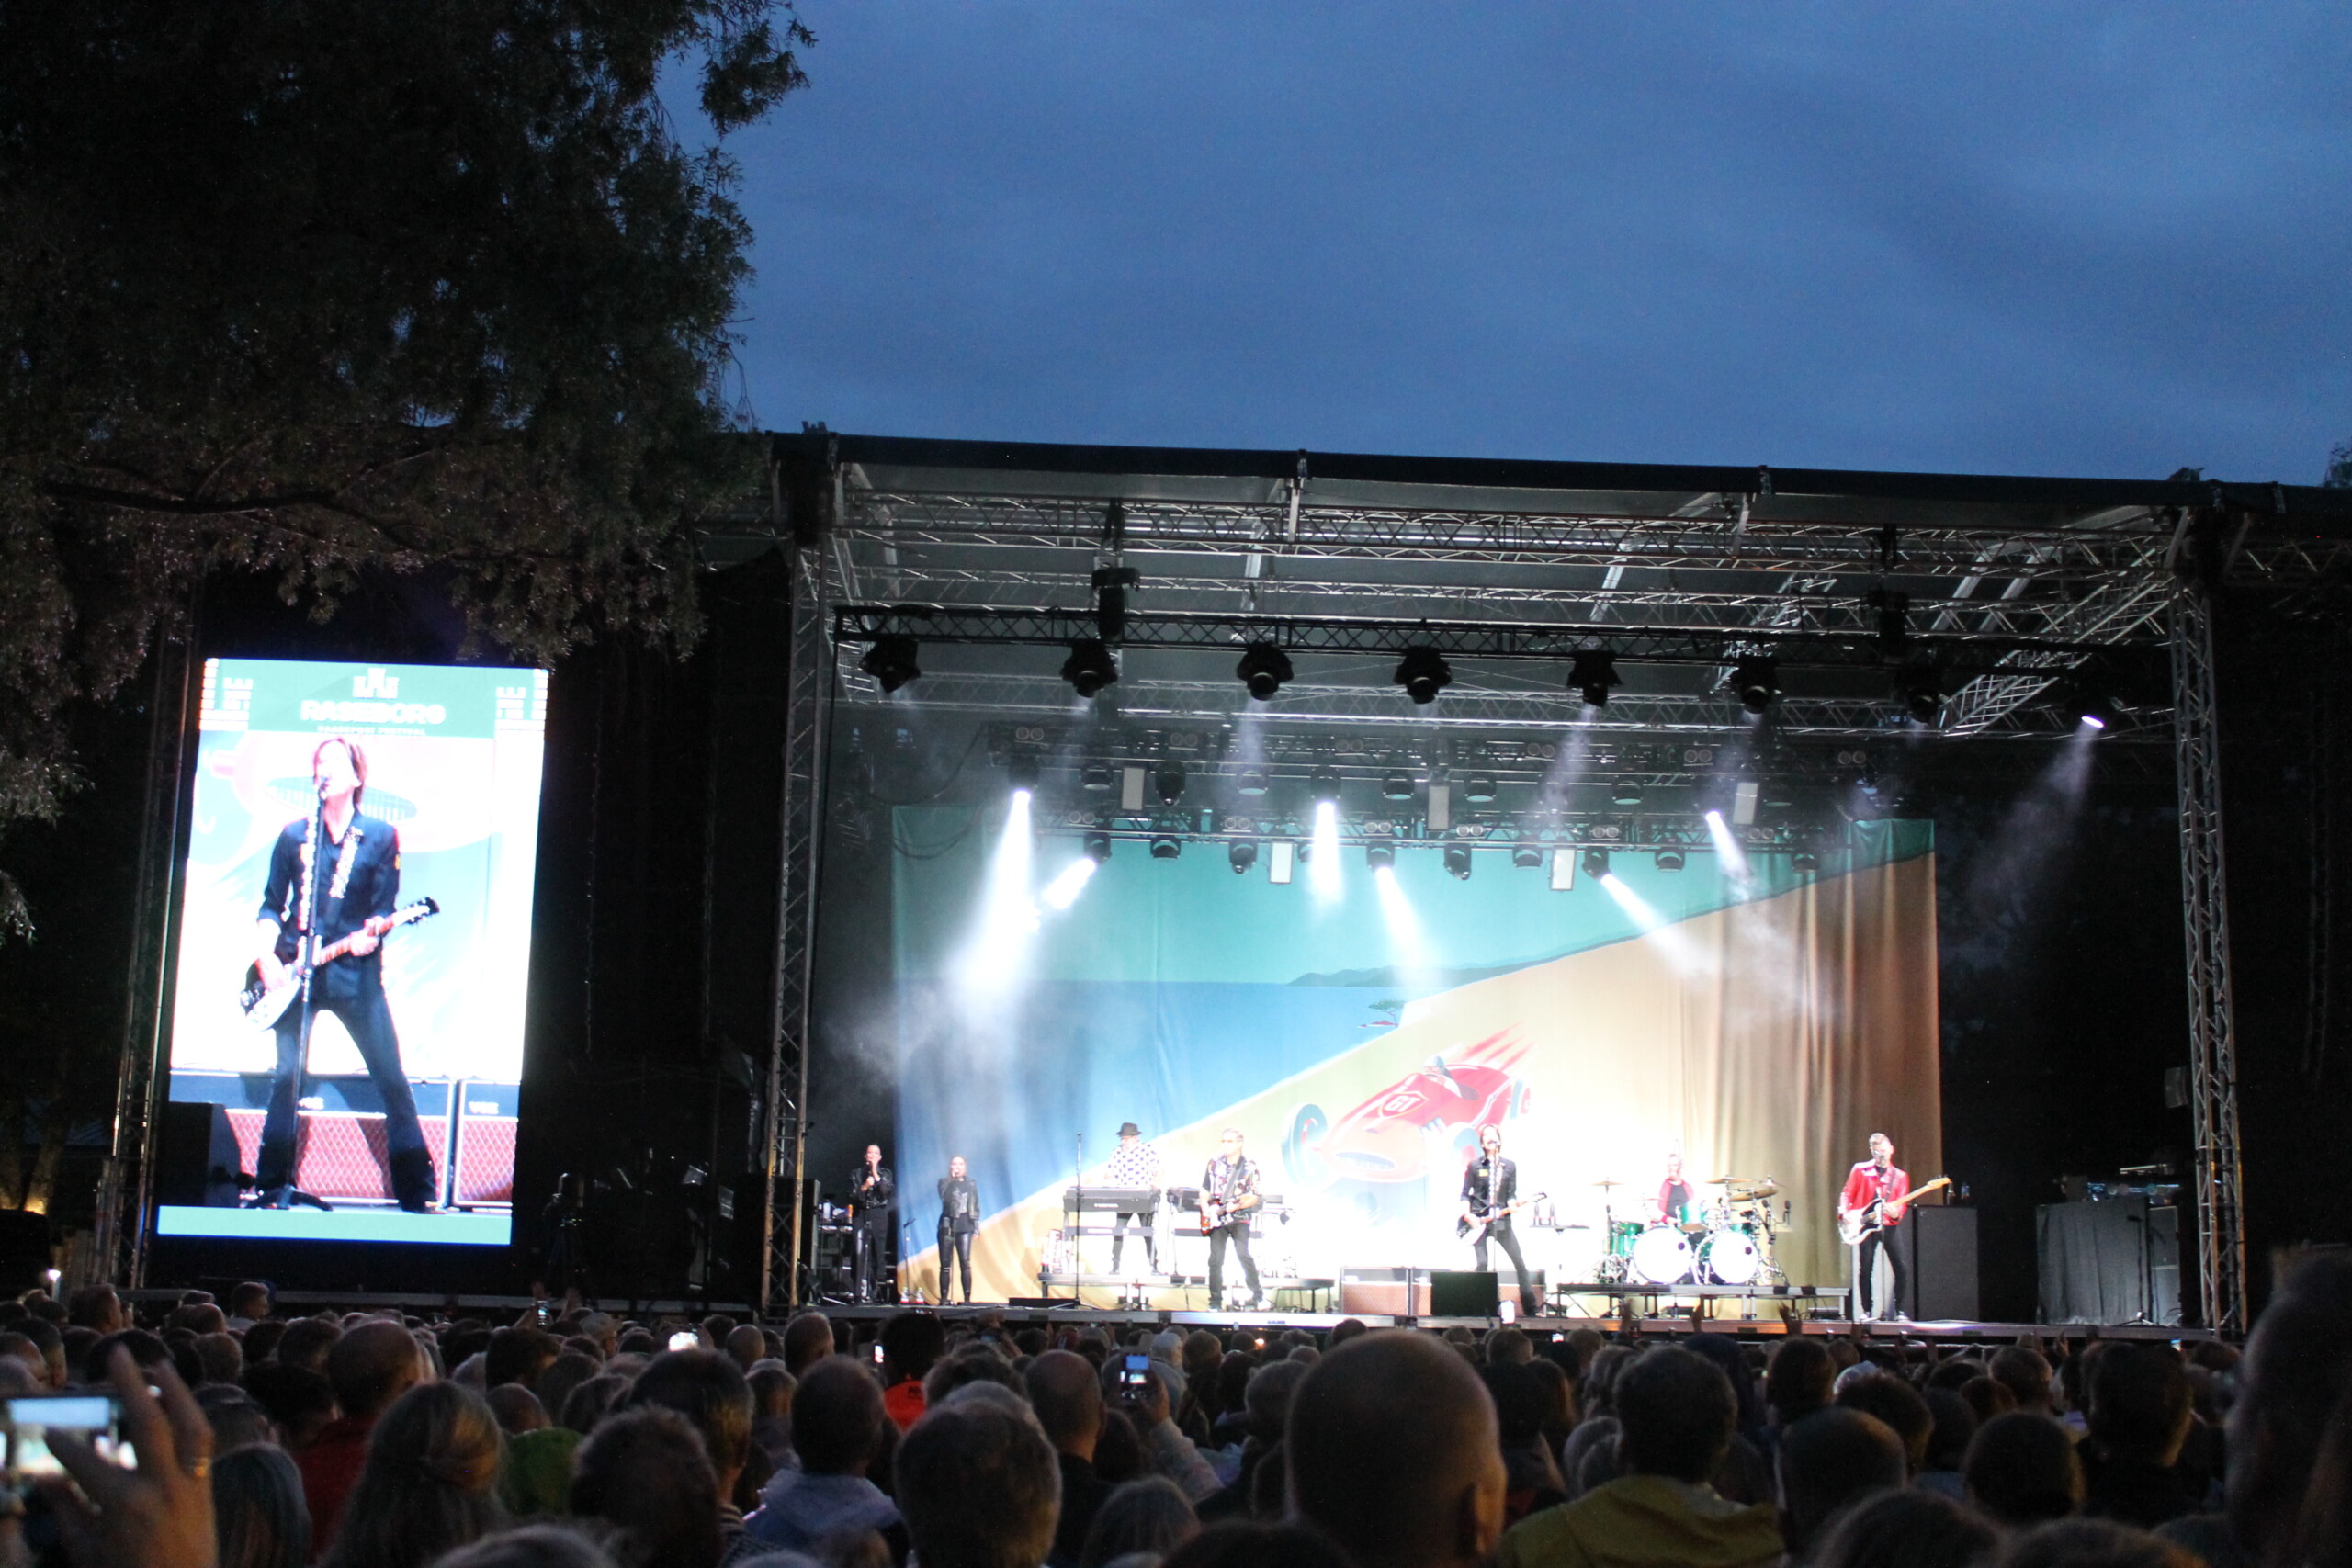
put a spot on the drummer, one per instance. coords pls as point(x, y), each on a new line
point(1675, 1194)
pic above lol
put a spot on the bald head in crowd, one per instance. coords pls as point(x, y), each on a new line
point(1068, 1400)
point(1394, 1454)
point(808, 1339)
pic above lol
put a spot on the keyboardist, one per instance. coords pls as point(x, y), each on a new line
point(1134, 1166)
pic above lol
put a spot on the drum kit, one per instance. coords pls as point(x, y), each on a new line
point(1723, 1240)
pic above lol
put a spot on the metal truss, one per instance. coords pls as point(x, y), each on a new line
point(2214, 1072)
point(782, 1210)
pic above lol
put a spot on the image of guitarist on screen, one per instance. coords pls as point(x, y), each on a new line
point(341, 867)
point(1489, 1194)
point(1229, 1193)
point(1873, 1204)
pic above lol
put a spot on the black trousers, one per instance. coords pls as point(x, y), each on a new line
point(1238, 1235)
point(955, 1247)
point(872, 1238)
point(1500, 1233)
point(1119, 1236)
point(1866, 1272)
point(356, 996)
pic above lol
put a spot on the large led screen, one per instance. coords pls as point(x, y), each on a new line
point(360, 1084)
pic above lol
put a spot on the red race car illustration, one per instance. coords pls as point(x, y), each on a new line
point(1393, 1135)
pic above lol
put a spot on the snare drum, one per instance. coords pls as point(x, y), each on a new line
point(1662, 1256)
point(1729, 1257)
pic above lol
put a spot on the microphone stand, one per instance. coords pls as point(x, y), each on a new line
point(290, 1194)
point(1077, 1227)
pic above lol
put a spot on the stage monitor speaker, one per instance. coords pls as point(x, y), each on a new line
point(24, 1251)
point(197, 1162)
point(1939, 1242)
point(1464, 1293)
point(1381, 1291)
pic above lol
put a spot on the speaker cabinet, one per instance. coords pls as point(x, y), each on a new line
point(1466, 1294)
point(1939, 1244)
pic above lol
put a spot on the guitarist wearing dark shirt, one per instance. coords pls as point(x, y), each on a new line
point(356, 881)
point(1489, 1186)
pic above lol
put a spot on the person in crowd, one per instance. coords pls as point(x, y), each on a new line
point(301, 1401)
point(248, 1305)
point(97, 1307)
point(2025, 1372)
point(258, 1515)
point(1676, 1414)
point(979, 1484)
point(2140, 1419)
point(1898, 1405)
point(1532, 1475)
point(1148, 1406)
point(1830, 1461)
point(306, 1343)
point(1394, 1453)
point(531, 1546)
point(517, 1408)
point(1241, 1545)
point(236, 1418)
point(1265, 1406)
point(837, 1427)
point(2093, 1544)
point(745, 1345)
point(1069, 1405)
point(1151, 1517)
point(367, 1369)
point(708, 1389)
point(1908, 1529)
point(1598, 1431)
point(1955, 1429)
point(911, 1343)
point(518, 1355)
point(808, 1339)
point(592, 1401)
point(1743, 1474)
point(563, 1374)
point(772, 1392)
point(430, 1483)
point(2022, 1470)
point(645, 1473)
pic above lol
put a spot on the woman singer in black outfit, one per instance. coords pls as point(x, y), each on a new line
point(959, 1217)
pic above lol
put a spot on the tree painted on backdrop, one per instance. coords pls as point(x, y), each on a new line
point(322, 291)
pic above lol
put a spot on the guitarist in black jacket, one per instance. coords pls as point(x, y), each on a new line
point(1489, 1186)
point(357, 880)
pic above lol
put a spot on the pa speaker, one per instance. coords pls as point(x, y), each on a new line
point(1469, 1293)
point(198, 1163)
point(24, 1251)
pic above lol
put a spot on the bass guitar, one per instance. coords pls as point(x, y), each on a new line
point(1854, 1224)
point(264, 1005)
point(1462, 1226)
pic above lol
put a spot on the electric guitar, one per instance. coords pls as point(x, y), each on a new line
point(264, 1005)
point(1462, 1226)
point(1856, 1223)
point(1216, 1212)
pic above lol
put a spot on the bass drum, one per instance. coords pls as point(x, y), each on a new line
point(1729, 1257)
point(1662, 1257)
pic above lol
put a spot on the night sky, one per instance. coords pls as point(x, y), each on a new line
point(2023, 239)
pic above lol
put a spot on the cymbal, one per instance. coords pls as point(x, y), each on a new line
point(1606, 1182)
point(1733, 1181)
point(1756, 1193)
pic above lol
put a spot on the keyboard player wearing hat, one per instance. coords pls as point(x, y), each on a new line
point(1134, 1167)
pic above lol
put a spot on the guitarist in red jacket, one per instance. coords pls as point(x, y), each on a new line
point(357, 880)
point(1876, 1189)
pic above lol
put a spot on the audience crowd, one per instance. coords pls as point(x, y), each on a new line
point(249, 1439)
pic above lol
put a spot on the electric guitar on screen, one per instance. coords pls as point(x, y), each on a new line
point(1462, 1226)
point(1854, 1224)
point(264, 1005)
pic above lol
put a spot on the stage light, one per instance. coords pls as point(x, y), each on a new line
point(1097, 847)
point(1805, 861)
point(1744, 796)
point(993, 960)
point(1064, 889)
point(1596, 862)
point(1669, 858)
point(1168, 782)
point(1757, 681)
point(1396, 787)
point(2090, 721)
point(1440, 814)
point(891, 662)
point(1323, 866)
point(1278, 863)
point(1263, 669)
point(1252, 782)
point(1735, 859)
point(1090, 667)
point(1323, 787)
point(1095, 776)
point(1625, 792)
point(1457, 861)
point(1423, 674)
point(1021, 771)
point(1591, 673)
point(1404, 927)
point(1480, 789)
point(1242, 855)
point(1164, 847)
point(1527, 857)
point(1921, 687)
point(1563, 869)
point(1380, 857)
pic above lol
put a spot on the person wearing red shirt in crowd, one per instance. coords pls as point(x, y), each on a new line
point(370, 1365)
point(1877, 1180)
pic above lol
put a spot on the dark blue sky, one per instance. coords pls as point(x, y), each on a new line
point(2023, 239)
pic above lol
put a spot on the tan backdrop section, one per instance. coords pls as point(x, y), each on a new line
point(1768, 1039)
